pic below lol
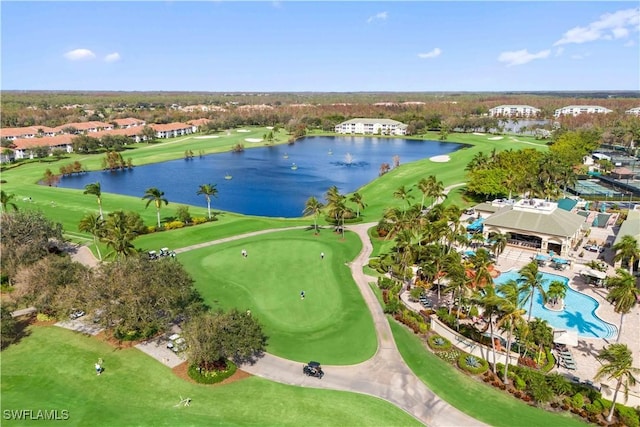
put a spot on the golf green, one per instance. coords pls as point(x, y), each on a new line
point(331, 323)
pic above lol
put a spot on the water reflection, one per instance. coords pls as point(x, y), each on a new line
point(264, 180)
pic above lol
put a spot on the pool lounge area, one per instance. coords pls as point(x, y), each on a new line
point(579, 314)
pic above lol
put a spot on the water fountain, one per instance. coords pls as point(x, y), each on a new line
point(348, 159)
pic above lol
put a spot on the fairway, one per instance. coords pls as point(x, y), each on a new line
point(52, 369)
point(331, 323)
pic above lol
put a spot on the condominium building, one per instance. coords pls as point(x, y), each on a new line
point(575, 110)
point(514, 111)
point(372, 127)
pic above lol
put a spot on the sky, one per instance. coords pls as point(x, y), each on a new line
point(330, 46)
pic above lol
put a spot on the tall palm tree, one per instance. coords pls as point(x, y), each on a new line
point(510, 316)
point(6, 200)
point(627, 248)
point(95, 190)
point(119, 235)
point(313, 207)
point(490, 302)
point(531, 280)
point(94, 225)
point(499, 243)
point(617, 364)
point(357, 199)
point(482, 267)
point(623, 294)
point(423, 186)
point(156, 196)
point(208, 190)
point(436, 190)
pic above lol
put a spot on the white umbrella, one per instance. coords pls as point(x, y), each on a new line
point(562, 336)
point(594, 273)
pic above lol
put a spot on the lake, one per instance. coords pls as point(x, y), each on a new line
point(265, 181)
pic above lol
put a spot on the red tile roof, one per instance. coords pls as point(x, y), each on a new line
point(170, 126)
point(198, 122)
point(129, 121)
point(81, 126)
point(45, 141)
point(28, 130)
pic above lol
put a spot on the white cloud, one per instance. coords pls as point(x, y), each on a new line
point(578, 56)
point(519, 57)
point(435, 52)
point(79, 54)
point(380, 16)
point(610, 25)
point(112, 57)
point(559, 51)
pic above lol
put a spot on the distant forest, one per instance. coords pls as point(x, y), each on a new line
point(426, 110)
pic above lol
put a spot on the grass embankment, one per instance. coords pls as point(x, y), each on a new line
point(331, 323)
point(468, 395)
point(53, 369)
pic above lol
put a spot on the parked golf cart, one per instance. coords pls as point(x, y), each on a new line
point(313, 369)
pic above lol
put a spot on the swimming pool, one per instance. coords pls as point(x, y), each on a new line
point(579, 314)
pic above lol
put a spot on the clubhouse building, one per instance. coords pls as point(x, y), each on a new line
point(535, 224)
point(372, 127)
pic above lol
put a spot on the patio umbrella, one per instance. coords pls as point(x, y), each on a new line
point(563, 336)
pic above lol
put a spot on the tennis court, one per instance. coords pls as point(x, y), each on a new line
point(592, 188)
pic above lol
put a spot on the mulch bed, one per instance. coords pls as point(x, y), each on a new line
point(182, 372)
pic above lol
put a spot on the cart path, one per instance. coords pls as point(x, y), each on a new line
point(385, 375)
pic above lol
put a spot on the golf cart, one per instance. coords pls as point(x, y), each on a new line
point(313, 369)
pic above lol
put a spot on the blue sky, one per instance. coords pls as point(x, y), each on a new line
point(320, 46)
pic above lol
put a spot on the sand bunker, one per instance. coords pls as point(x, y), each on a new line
point(253, 139)
point(496, 138)
point(269, 127)
point(480, 134)
point(440, 159)
point(243, 130)
point(207, 137)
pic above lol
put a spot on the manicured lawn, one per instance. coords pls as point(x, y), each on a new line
point(472, 397)
point(53, 369)
point(331, 324)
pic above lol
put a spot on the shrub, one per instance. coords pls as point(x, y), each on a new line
point(201, 220)
point(172, 225)
point(437, 342)
point(519, 383)
point(449, 355)
point(472, 364)
point(151, 229)
point(551, 361)
point(577, 401)
point(628, 416)
point(211, 377)
point(42, 317)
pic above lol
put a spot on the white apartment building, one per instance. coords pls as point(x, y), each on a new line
point(514, 111)
point(634, 111)
point(372, 127)
point(575, 110)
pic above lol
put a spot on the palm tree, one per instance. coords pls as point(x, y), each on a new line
point(208, 190)
point(156, 196)
point(617, 361)
point(436, 190)
point(623, 294)
point(402, 193)
point(94, 190)
point(118, 235)
point(531, 280)
point(482, 266)
point(423, 186)
point(490, 302)
point(94, 225)
point(557, 291)
point(499, 243)
point(357, 199)
point(510, 316)
point(627, 248)
point(313, 207)
point(6, 200)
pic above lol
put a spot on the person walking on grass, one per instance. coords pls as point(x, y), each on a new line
point(321, 255)
point(301, 294)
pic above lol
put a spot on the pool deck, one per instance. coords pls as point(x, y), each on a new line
point(586, 350)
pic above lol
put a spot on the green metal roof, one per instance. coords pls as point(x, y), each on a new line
point(557, 223)
point(630, 227)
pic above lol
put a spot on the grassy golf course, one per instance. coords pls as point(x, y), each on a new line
point(53, 368)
